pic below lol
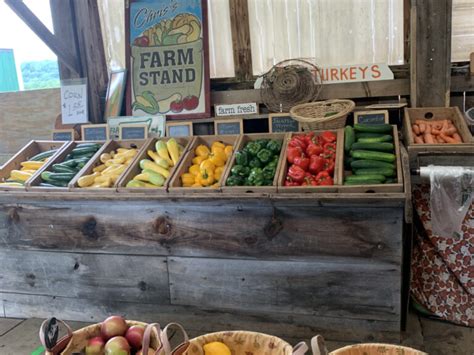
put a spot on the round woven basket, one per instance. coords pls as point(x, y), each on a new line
point(330, 114)
point(376, 349)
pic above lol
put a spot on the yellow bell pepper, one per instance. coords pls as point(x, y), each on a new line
point(218, 158)
point(202, 150)
point(187, 179)
point(228, 151)
point(196, 185)
point(207, 165)
point(198, 159)
point(194, 169)
point(218, 172)
point(215, 186)
point(205, 178)
point(216, 149)
point(217, 144)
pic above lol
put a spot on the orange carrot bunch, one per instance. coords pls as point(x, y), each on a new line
point(435, 132)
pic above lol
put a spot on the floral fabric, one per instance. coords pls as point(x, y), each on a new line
point(443, 267)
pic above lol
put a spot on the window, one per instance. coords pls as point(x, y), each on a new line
point(462, 32)
point(27, 62)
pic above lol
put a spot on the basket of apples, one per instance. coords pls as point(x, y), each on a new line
point(114, 336)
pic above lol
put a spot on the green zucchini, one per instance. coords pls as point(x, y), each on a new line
point(377, 171)
point(382, 146)
point(373, 128)
point(59, 168)
point(44, 184)
point(57, 183)
point(368, 135)
point(347, 162)
point(43, 155)
point(349, 138)
point(378, 177)
point(381, 139)
point(49, 176)
point(367, 164)
point(367, 154)
point(363, 182)
point(84, 151)
point(391, 181)
point(88, 145)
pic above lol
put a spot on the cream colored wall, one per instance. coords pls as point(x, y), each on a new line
point(26, 115)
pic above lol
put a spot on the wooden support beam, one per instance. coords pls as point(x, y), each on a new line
point(30, 19)
point(430, 52)
point(240, 27)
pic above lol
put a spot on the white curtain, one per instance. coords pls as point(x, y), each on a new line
point(462, 30)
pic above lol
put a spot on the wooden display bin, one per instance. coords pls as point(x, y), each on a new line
point(95, 161)
point(396, 187)
point(135, 169)
point(28, 151)
point(255, 189)
point(338, 169)
point(36, 179)
point(425, 154)
point(175, 186)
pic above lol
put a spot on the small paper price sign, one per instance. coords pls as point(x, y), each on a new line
point(74, 101)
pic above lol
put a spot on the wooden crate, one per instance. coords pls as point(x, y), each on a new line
point(95, 161)
point(338, 169)
point(254, 189)
point(435, 114)
point(135, 169)
point(25, 153)
point(175, 186)
point(383, 188)
point(36, 179)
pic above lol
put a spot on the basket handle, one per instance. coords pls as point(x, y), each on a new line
point(49, 332)
point(166, 344)
point(146, 338)
point(318, 345)
point(300, 349)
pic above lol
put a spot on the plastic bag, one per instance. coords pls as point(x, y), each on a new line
point(450, 197)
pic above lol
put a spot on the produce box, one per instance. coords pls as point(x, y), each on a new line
point(338, 166)
point(280, 137)
point(26, 153)
point(96, 163)
point(74, 157)
point(136, 169)
point(175, 185)
point(433, 114)
point(396, 186)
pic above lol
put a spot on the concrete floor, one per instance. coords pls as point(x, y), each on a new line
point(20, 336)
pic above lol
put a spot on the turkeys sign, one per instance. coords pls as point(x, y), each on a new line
point(355, 73)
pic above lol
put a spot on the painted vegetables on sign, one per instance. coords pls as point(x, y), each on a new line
point(169, 72)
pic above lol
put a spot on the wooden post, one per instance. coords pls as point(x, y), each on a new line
point(430, 52)
point(240, 27)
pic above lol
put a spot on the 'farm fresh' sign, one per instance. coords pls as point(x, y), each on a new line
point(168, 58)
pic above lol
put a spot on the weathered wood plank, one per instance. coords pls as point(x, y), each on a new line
point(201, 320)
point(216, 228)
point(120, 277)
point(7, 324)
point(240, 28)
point(317, 288)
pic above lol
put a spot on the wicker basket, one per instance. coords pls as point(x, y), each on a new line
point(76, 341)
point(320, 115)
point(376, 349)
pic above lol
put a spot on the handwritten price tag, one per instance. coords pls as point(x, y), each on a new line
point(74, 101)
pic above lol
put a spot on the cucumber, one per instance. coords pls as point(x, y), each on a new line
point(57, 183)
point(88, 145)
point(382, 146)
point(377, 171)
point(367, 154)
point(367, 164)
point(43, 155)
point(364, 182)
point(391, 181)
point(378, 177)
point(368, 135)
point(58, 168)
point(49, 177)
point(347, 162)
point(349, 138)
point(44, 184)
point(381, 139)
point(71, 163)
point(83, 151)
point(373, 128)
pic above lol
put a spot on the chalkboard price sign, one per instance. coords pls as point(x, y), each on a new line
point(95, 132)
point(133, 131)
point(282, 122)
point(371, 117)
point(224, 127)
point(179, 129)
point(63, 135)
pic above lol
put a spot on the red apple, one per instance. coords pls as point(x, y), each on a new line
point(134, 336)
point(113, 326)
point(117, 346)
point(150, 351)
point(95, 346)
point(177, 106)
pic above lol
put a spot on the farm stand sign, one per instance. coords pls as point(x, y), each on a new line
point(168, 58)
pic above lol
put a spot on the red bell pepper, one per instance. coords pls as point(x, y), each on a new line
point(328, 137)
point(313, 149)
point(298, 141)
point(302, 162)
point(316, 164)
point(329, 151)
point(289, 182)
point(296, 173)
point(323, 179)
point(293, 152)
point(328, 166)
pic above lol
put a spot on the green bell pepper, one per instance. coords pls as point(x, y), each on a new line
point(269, 172)
point(241, 158)
point(274, 146)
point(256, 177)
point(234, 181)
point(264, 155)
point(239, 170)
point(273, 163)
point(253, 148)
point(255, 163)
point(267, 182)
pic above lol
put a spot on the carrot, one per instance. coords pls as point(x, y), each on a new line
point(428, 138)
point(418, 122)
point(416, 129)
point(437, 125)
point(440, 140)
point(435, 131)
point(428, 129)
point(450, 131)
point(447, 139)
point(422, 127)
point(419, 140)
point(457, 138)
point(445, 125)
